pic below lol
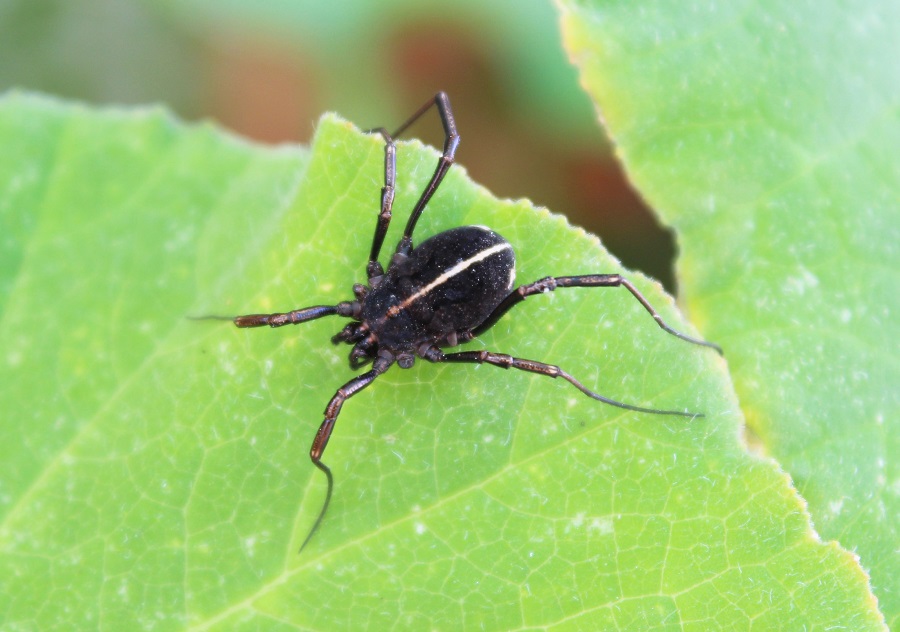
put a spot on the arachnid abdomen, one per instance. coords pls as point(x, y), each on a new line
point(450, 283)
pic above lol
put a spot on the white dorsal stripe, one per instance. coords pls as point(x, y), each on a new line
point(459, 267)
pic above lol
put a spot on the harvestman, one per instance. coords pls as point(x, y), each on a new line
point(446, 291)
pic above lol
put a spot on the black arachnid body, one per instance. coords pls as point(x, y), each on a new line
point(446, 291)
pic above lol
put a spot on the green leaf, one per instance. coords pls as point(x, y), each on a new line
point(766, 133)
point(156, 471)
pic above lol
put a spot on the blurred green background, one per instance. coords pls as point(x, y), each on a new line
point(268, 68)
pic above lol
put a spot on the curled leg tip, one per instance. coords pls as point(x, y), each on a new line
point(330, 478)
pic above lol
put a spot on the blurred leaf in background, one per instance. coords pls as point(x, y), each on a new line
point(103, 51)
point(267, 69)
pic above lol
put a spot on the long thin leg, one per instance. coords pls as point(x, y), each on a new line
point(549, 284)
point(509, 362)
point(292, 318)
point(451, 142)
point(374, 271)
point(332, 411)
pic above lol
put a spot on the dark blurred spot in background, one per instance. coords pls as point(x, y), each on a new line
point(267, 69)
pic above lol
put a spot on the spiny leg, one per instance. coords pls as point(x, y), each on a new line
point(549, 284)
point(504, 361)
point(348, 390)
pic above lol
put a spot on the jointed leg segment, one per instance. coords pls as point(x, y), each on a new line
point(509, 362)
point(290, 318)
point(451, 142)
point(549, 284)
point(332, 411)
point(374, 270)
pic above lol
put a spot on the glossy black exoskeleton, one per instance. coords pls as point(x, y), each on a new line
point(447, 286)
point(446, 291)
